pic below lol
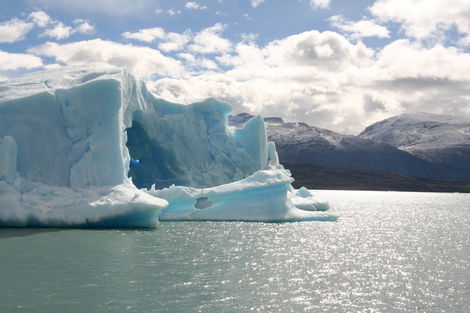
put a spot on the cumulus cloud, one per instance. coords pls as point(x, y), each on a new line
point(324, 79)
point(146, 35)
point(424, 18)
point(320, 4)
point(174, 41)
point(15, 61)
point(58, 31)
point(142, 61)
point(328, 51)
point(84, 27)
point(209, 40)
point(168, 41)
point(194, 63)
point(14, 30)
point(297, 77)
point(192, 5)
point(406, 59)
point(40, 18)
point(360, 29)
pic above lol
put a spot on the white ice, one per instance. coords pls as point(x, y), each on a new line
point(265, 196)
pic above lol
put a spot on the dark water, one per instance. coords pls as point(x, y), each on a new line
point(388, 252)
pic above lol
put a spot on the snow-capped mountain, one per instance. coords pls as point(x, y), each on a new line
point(301, 143)
point(422, 131)
point(443, 140)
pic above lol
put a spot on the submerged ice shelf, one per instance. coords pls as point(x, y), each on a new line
point(67, 137)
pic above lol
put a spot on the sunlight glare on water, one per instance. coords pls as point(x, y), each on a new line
point(388, 252)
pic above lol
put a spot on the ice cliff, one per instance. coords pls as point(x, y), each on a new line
point(67, 137)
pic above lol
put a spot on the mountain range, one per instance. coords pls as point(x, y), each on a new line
point(425, 146)
point(442, 140)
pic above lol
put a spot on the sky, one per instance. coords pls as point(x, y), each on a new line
point(336, 64)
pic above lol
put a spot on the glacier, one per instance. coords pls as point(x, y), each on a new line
point(68, 135)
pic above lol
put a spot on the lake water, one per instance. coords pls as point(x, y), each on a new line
point(388, 252)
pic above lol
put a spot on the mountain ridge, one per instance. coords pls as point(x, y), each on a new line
point(300, 143)
point(443, 140)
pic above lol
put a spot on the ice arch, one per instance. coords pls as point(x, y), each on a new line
point(191, 145)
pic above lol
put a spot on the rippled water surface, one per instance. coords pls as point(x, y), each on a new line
point(388, 252)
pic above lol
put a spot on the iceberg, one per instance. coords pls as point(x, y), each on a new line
point(265, 196)
point(90, 146)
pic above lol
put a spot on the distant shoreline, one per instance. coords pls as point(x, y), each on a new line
point(326, 177)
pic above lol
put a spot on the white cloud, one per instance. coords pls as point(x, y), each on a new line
point(361, 29)
point(56, 29)
point(327, 51)
point(298, 77)
point(209, 41)
point(317, 77)
point(14, 30)
point(192, 5)
point(208, 64)
point(142, 61)
point(404, 59)
point(416, 78)
point(324, 79)
point(188, 57)
point(320, 4)
point(173, 12)
point(256, 3)
point(15, 61)
point(59, 31)
point(425, 18)
point(146, 35)
point(175, 41)
point(167, 41)
point(40, 18)
point(84, 27)
point(195, 63)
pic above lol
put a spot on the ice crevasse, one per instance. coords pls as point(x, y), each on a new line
point(67, 137)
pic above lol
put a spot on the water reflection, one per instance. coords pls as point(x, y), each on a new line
point(388, 252)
